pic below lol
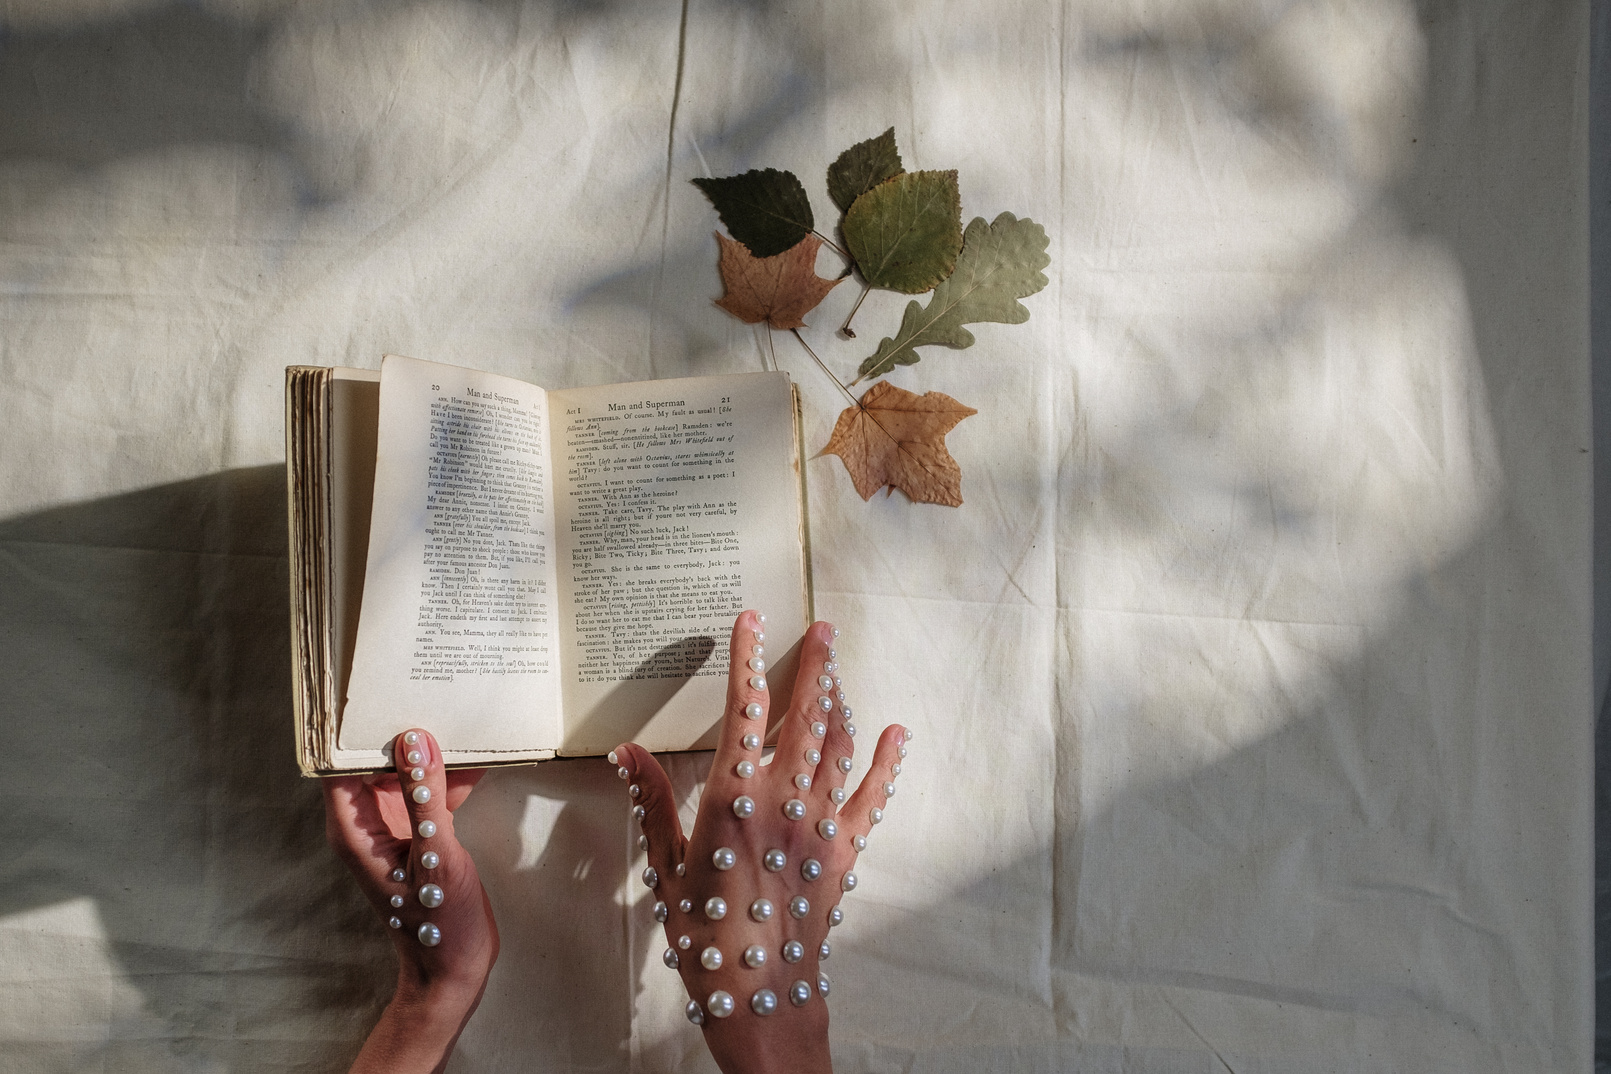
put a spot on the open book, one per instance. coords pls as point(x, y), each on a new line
point(532, 573)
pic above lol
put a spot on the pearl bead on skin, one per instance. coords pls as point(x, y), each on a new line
point(850, 729)
point(398, 876)
point(822, 982)
point(715, 907)
point(902, 752)
point(684, 943)
point(889, 790)
point(876, 814)
point(761, 910)
point(639, 812)
point(430, 896)
point(760, 617)
point(836, 917)
point(427, 829)
point(682, 870)
point(622, 773)
point(830, 666)
point(799, 907)
point(417, 774)
point(430, 860)
point(760, 635)
point(819, 729)
point(634, 790)
point(775, 860)
point(411, 738)
point(757, 682)
point(695, 1015)
point(895, 769)
point(825, 703)
point(825, 681)
point(651, 878)
point(643, 842)
point(803, 781)
point(794, 809)
point(757, 650)
point(833, 654)
point(754, 711)
point(724, 858)
point(743, 806)
point(860, 841)
point(836, 632)
point(810, 869)
point(421, 794)
point(822, 952)
point(686, 906)
point(827, 828)
point(744, 769)
point(397, 902)
point(414, 757)
point(720, 1004)
point(611, 757)
point(670, 958)
point(710, 958)
point(849, 882)
point(838, 795)
point(793, 951)
point(764, 1002)
point(661, 912)
point(396, 922)
point(813, 757)
point(754, 956)
point(846, 710)
point(752, 741)
point(757, 665)
point(845, 765)
point(429, 935)
point(800, 993)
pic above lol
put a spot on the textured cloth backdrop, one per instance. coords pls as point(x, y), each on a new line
point(1251, 682)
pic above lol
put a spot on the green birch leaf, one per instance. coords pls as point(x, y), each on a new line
point(767, 211)
point(1000, 264)
point(905, 233)
point(862, 167)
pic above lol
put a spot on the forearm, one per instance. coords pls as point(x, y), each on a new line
point(418, 1029)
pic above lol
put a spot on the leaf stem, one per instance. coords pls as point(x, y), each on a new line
point(845, 328)
point(836, 382)
point(834, 246)
point(772, 346)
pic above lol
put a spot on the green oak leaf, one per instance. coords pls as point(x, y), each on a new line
point(1000, 263)
point(862, 167)
point(767, 211)
point(905, 233)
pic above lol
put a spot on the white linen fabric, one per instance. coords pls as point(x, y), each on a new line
point(1251, 682)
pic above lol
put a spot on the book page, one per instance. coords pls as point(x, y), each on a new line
point(680, 506)
point(456, 628)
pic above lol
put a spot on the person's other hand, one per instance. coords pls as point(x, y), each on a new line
point(395, 832)
point(748, 898)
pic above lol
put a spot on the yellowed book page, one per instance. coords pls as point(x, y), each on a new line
point(680, 502)
point(354, 423)
point(456, 631)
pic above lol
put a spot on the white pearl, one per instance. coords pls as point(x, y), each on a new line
point(686, 906)
point(803, 781)
point(670, 958)
point(836, 632)
point(761, 910)
point(838, 795)
point(661, 912)
point(396, 922)
point(744, 769)
point(398, 876)
point(793, 952)
point(743, 806)
point(411, 738)
point(906, 734)
point(421, 794)
point(832, 653)
point(836, 917)
point(825, 704)
point(902, 752)
point(822, 982)
point(643, 842)
point(799, 906)
point(757, 682)
point(837, 681)
point(849, 882)
point(622, 773)
point(754, 711)
point(877, 815)
point(710, 958)
point(811, 868)
point(850, 729)
point(724, 858)
point(430, 935)
point(764, 1002)
point(774, 860)
point(831, 666)
point(715, 907)
point(682, 870)
point(794, 809)
point(415, 757)
point(635, 790)
point(754, 956)
point(760, 635)
point(720, 1004)
point(839, 695)
point(752, 741)
point(760, 617)
point(845, 765)
point(860, 841)
point(430, 896)
point(827, 828)
point(650, 877)
point(889, 790)
point(427, 829)
point(757, 650)
point(695, 1015)
point(826, 682)
point(822, 952)
point(611, 757)
point(895, 769)
point(397, 902)
point(757, 665)
point(818, 729)
point(684, 943)
point(417, 774)
point(639, 812)
point(800, 993)
point(430, 859)
point(846, 710)
point(813, 757)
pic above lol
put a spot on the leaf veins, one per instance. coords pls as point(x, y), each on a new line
point(893, 437)
point(779, 290)
point(766, 210)
point(862, 167)
point(906, 233)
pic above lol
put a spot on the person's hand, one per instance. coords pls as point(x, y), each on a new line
point(760, 879)
point(395, 832)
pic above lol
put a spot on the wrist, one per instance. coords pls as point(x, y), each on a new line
point(419, 1027)
point(744, 1047)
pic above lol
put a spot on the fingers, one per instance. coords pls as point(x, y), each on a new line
point(424, 783)
point(806, 716)
point(655, 807)
point(356, 829)
point(745, 718)
point(866, 806)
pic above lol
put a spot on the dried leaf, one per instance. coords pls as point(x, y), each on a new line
point(906, 233)
point(862, 167)
point(779, 290)
point(895, 438)
point(767, 211)
point(1000, 264)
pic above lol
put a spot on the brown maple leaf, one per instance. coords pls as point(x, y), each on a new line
point(779, 290)
point(895, 438)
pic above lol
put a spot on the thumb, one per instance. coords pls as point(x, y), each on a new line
point(655, 807)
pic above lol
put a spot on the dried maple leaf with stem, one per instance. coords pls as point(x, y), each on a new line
point(779, 290)
point(895, 438)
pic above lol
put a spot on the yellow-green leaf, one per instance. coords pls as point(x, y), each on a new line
point(906, 232)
